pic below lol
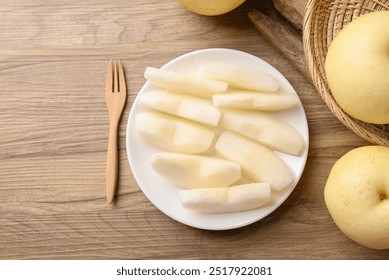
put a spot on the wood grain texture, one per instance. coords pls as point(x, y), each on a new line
point(284, 37)
point(54, 129)
point(292, 10)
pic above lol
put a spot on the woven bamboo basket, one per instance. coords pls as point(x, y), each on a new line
point(323, 20)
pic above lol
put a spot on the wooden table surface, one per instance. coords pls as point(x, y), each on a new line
point(54, 128)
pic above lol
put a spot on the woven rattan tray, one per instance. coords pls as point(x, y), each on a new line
point(323, 20)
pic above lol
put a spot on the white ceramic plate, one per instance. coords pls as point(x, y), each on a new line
point(165, 195)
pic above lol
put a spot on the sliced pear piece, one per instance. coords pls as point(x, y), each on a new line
point(240, 76)
point(172, 133)
point(258, 162)
point(229, 199)
point(195, 171)
point(181, 105)
point(268, 129)
point(184, 83)
point(255, 100)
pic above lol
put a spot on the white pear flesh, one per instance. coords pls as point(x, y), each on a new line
point(184, 83)
point(228, 199)
point(357, 68)
point(267, 129)
point(255, 101)
point(240, 76)
point(357, 195)
point(195, 171)
point(181, 105)
point(172, 133)
point(258, 162)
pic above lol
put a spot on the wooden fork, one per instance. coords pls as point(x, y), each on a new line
point(115, 95)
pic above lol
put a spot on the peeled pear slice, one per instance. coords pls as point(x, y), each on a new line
point(255, 100)
point(258, 162)
point(181, 105)
point(172, 133)
point(184, 83)
point(229, 199)
point(268, 129)
point(195, 171)
point(240, 76)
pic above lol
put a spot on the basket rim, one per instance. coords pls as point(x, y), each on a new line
point(370, 132)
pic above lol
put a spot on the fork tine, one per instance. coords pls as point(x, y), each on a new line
point(122, 79)
point(108, 85)
point(115, 78)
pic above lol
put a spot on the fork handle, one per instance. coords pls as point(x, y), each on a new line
point(112, 162)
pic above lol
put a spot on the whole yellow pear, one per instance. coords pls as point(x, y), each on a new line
point(357, 68)
point(211, 7)
point(357, 195)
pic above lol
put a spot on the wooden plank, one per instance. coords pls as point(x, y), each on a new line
point(292, 10)
point(284, 37)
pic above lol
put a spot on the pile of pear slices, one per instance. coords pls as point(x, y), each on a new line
point(217, 136)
